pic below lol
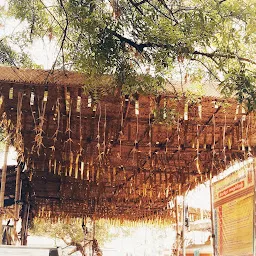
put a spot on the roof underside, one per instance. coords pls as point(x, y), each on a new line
point(120, 157)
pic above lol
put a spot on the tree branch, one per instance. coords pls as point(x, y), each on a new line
point(136, 5)
point(158, 10)
point(223, 55)
point(182, 50)
point(53, 16)
point(138, 47)
point(169, 10)
point(222, 1)
point(141, 2)
point(208, 69)
point(63, 36)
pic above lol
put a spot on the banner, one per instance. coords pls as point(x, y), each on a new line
point(233, 200)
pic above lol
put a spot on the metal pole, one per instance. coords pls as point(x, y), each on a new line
point(3, 183)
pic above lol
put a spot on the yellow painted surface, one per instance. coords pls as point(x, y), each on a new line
point(235, 182)
point(234, 213)
point(235, 227)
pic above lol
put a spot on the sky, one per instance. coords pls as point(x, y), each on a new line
point(12, 157)
point(200, 197)
point(42, 52)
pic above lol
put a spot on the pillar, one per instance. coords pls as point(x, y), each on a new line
point(3, 183)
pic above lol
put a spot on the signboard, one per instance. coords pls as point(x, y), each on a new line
point(233, 200)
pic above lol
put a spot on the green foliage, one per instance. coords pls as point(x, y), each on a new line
point(71, 231)
point(6, 54)
point(243, 84)
point(142, 84)
point(34, 14)
point(165, 115)
point(11, 57)
point(144, 43)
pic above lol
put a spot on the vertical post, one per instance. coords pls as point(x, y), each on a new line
point(94, 228)
point(17, 195)
point(93, 236)
point(25, 213)
point(3, 182)
point(212, 217)
point(25, 216)
point(177, 227)
point(24, 225)
point(183, 226)
point(145, 240)
point(254, 207)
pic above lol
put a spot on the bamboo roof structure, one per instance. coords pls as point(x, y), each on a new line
point(122, 157)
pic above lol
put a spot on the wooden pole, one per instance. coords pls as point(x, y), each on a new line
point(183, 226)
point(17, 191)
point(93, 235)
point(25, 216)
point(212, 217)
point(3, 183)
point(177, 228)
point(17, 196)
point(254, 207)
point(85, 235)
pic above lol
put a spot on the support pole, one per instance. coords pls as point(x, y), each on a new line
point(93, 236)
point(211, 195)
point(3, 183)
point(17, 200)
point(212, 218)
point(177, 227)
point(25, 216)
point(183, 226)
point(85, 231)
point(17, 194)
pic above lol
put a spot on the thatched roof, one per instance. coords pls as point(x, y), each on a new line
point(120, 157)
point(40, 77)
